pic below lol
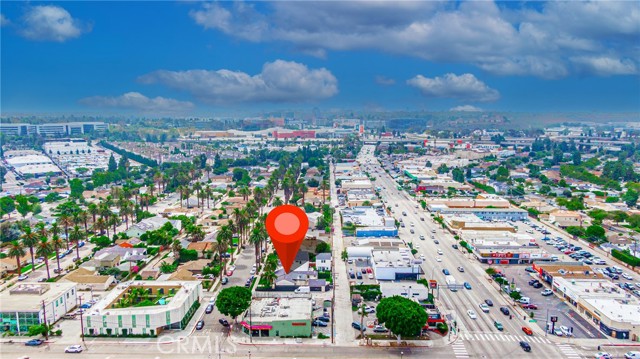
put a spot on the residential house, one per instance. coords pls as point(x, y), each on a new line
point(151, 224)
point(87, 279)
point(323, 262)
point(565, 219)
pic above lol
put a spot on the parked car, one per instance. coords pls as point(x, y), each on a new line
point(22, 277)
point(530, 306)
point(533, 281)
point(530, 270)
point(547, 292)
point(73, 349)
point(380, 329)
point(34, 342)
point(224, 322)
point(454, 246)
point(225, 280)
point(209, 309)
point(323, 319)
point(319, 323)
point(200, 325)
point(537, 285)
point(525, 346)
point(356, 326)
point(527, 330)
point(632, 355)
point(602, 355)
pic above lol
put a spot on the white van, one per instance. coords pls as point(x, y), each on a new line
point(525, 300)
point(632, 355)
point(303, 289)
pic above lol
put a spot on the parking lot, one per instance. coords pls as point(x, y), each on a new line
point(360, 271)
point(549, 306)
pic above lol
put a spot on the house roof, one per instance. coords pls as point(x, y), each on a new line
point(323, 256)
point(182, 274)
point(86, 276)
point(200, 246)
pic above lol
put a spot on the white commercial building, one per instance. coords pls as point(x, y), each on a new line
point(170, 306)
point(396, 265)
point(25, 305)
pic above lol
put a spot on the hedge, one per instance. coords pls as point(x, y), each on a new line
point(626, 257)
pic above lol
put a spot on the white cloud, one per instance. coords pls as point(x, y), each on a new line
point(385, 81)
point(3, 20)
point(139, 102)
point(464, 87)
point(604, 65)
point(279, 81)
point(502, 40)
point(50, 23)
point(466, 108)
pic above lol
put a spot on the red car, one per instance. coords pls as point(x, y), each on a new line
point(527, 330)
point(530, 306)
point(369, 270)
point(568, 251)
point(229, 273)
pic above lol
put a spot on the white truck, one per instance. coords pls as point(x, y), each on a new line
point(303, 289)
point(451, 283)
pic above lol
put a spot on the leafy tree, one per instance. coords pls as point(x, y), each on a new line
point(323, 247)
point(402, 316)
point(630, 197)
point(443, 169)
point(233, 301)
point(458, 175)
point(576, 158)
point(595, 231)
point(113, 166)
point(76, 188)
point(23, 206)
point(6, 206)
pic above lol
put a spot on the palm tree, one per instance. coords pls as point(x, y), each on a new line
point(197, 187)
point(57, 244)
point(114, 221)
point(66, 222)
point(324, 185)
point(224, 238)
point(44, 248)
point(302, 190)
point(77, 235)
point(29, 239)
point(100, 226)
point(16, 250)
point(208, 192)
point(176, 247)
point(277, 202)
point(256, 238)
point(244, 192)
point(83, 216)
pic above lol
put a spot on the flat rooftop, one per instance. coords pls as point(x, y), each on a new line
point(401, 258)
point(275, 309)
point(404, 289)
point(182, 290)
point(29, 296)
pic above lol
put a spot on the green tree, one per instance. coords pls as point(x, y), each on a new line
point(76, 188)
point(6, 206)
point(113, 166)
point(630, 197)
point(23, 205)
point(402, 316)
point(576, 158)
point(16, 250)
point(44, 248)
point(29, 239)
point(458, 175)
point(233, 301)
point(595, 231)
point(323, 247)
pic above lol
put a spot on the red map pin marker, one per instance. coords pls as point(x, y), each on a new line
point(287, 225)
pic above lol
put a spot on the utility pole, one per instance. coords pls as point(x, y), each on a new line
point(46, 325)
point(81, 321)
point(335, 278)
point(250, 323)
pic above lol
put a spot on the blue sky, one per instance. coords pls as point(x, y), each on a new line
point(199, 58)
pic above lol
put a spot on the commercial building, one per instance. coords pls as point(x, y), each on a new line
point(52, 129)
point(396, 265)
point(36, 165)
point(470, 222)
point(278, 317)
point(493, 214)
point(294, 134)
point(25, 305)
point(564, 219)
point(369, 222)
point(610, 308)
point(502, 247)
point(144, 308)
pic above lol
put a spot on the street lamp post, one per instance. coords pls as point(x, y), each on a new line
point(401, 354)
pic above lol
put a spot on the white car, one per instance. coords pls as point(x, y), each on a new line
point(370, 276)
point(438, 259)
point(565, 331)
point(422, 256)
point(252, 271)
point(626, 276)
point(484, 307)
point(73, 349)
point(417, 246)
point(602, 355)
point(440, 252)
point(472, 314)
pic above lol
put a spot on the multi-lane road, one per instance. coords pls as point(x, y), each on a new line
point(479, 336)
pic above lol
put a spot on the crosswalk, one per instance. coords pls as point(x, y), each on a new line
point(569, 351)
point(496, 337)
point(459, 350)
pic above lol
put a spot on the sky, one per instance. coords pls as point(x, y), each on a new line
point(198, 58)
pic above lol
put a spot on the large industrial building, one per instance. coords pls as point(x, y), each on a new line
point(51, 129)
point(31, 163)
